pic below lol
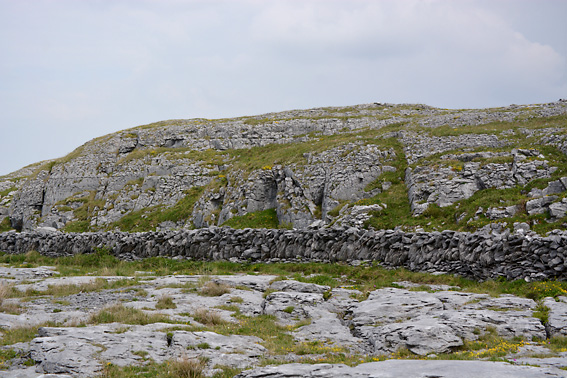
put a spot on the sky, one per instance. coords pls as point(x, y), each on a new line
point(73, 70)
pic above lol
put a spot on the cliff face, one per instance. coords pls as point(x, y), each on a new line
point(377, 165)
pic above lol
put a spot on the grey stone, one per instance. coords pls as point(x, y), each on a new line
point(557, 318)
point(558, 209)
point(390, 304)
point(539, 205)
point(290, 307)
point(422, 336)
point(405, 369)
point(302, 287)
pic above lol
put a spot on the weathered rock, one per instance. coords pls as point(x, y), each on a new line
point(425, 323)
point(557, 318)
point(301, 287)
point(390, 305)
point(81, 352)
point(420, 335)
point(290, 306)
point(404, 369)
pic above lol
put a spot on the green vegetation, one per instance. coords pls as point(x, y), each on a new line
point(99, 284)
point(21, 334)
point(258, 219)
point(276, 337)
point(395, 198)
point(149, 218)
point(213, 289)
point(488, 346)
point(459, 216)
point(5, 225)
point(5, 192)
point(177, 368)
point(84, 213)
point(126, 315)
point(364, 278)
point(207, 317)
point(256, 158)
point(165, 302)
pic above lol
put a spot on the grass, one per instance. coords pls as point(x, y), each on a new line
point(208, 317)
point(319, 279)
point(149, 218)
point(541, 312)
point(165, 302)
point(364, 278)
point(277, 338)
point(99, 284)
point(213, 289)
point(488, 346)
point(21, 334)
point(5, 225)
point(126, 315)
point(397, 212)
point(5, 192)
point(558, 343)
point(170, 369)
point(256, 158)
point(185, 367)
point(84, 213)
point(257, 219)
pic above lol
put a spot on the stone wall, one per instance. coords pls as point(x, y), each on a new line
point(481, 255)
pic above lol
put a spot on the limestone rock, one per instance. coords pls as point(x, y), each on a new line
point(557, 322)
point(405, 369)
point(302, 287)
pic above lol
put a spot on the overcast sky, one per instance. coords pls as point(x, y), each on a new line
point(72, 70)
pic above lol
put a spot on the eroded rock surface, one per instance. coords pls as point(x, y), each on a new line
point(405, 369)
point(425, 320)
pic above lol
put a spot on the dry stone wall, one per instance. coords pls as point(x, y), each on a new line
point(481, 255)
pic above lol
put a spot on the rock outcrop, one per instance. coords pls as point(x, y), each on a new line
point(75, 340)
point(312, 167)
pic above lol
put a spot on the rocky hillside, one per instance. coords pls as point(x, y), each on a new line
point(374, 165)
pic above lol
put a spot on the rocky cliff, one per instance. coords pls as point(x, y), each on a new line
point(374, 165)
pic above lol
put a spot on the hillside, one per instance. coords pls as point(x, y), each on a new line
point(376, 165)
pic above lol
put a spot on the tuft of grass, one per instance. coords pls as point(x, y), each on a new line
point(185, 367)
point(236, 299)
point(289, 309)
point(541, 312)
point(207, 317)
point(319, 279)
point(165, 302)
point(213, 289)
point(117, 313)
